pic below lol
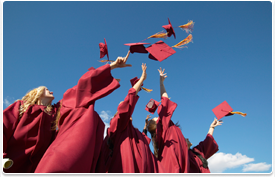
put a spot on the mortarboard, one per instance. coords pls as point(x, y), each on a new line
point(151, 106)
point(160, 51)
point(137, 47)
point(103, 49)
point(135, 80)
point(169, 28)
point(224, 109)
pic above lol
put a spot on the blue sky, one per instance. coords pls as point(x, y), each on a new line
point(54, 43)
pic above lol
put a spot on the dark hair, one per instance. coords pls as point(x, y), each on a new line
point(203, 160)
point(178, 124)
point(152, 127)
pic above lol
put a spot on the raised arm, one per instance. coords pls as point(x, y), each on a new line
point(162, 77)
point(139, 83)
point(213, 125)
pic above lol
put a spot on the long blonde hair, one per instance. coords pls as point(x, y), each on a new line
point(31, 98)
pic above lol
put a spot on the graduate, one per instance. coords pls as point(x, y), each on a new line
point(80, 130)
point(169, 144)
point(199, 154)
point(27, 130)
point(28, 123)
point(125, 149)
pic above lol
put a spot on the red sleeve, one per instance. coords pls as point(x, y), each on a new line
point(208, 147)
point(93, 85)
point(165, 112)
point(10, 121)
point(124, 112)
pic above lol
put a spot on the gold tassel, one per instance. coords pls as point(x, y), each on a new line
point(240, 113)
point(159, 35)
point(103, 61)
point(184, 41)
point(147, 90)
point(188, 28)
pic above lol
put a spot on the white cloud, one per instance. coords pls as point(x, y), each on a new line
point(8, 101)
point(219, 162)
point(256, 167)
point(106, 117)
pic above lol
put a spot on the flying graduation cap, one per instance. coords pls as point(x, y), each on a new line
point(160, 51)
point(224, 109)
point(137, 47)
point(151, 106)
point(103, 51)
point(135, 80)
point(169, 32)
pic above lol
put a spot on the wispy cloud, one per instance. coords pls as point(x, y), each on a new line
point(106, 117)
point(220, 162)
point(256, 167)
point(8, 101)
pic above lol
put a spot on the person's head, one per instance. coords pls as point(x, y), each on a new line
point(46, 95)
point(189, 144)
point(152, 127)
point(35, 96)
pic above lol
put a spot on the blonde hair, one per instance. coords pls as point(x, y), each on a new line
point(31, 98)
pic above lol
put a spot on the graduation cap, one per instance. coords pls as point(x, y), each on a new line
point(224, 109)
point(151, 106)
point(160, 51)
point(103, 51)
point(169, 28)
point(135, 80)
point(137, 47)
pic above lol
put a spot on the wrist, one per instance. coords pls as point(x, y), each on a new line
point(112, 65)
point(142, 78)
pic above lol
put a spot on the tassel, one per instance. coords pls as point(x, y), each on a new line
point(147, 90)
point(159, 35)
point(240, 113)
point(103, 61)
point(184, 41)
point(188, 28)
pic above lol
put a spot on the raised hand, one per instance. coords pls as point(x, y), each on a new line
point(215, 123)
point(120, 62)
point(144, 74)
point(162, 74)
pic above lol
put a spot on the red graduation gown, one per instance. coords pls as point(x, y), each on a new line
point(131, 151)
point(77, 145)
point(173, 149)
point(206, 148)
point(26, 139)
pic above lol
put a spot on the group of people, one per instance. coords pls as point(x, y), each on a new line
point(67, 137)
